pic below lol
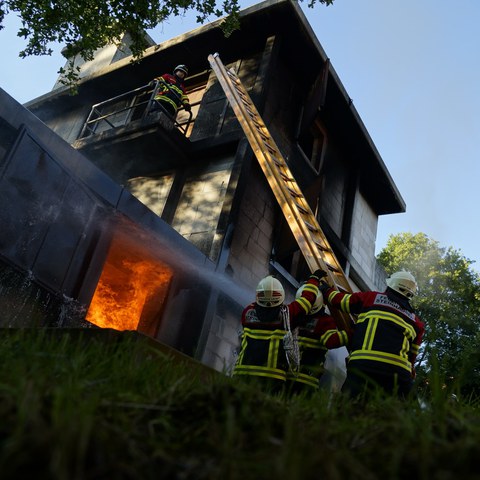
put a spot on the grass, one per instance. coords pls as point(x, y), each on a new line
point(93, 406)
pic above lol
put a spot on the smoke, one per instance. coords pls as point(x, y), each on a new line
point(167, 251)
point(228, 286)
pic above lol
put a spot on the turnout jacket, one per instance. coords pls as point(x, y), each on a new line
point(262, 353)
point(319, 335)
point(387, 333)
point(171, 90)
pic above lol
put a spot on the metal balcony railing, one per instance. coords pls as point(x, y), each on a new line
point(127, 107)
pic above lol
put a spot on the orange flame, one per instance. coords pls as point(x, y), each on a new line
point(131, 290)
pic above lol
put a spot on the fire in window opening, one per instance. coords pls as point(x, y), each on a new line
point(132, 288)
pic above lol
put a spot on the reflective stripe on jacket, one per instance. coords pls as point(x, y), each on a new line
point(315, 339)
point(261, 350)
point(262, 354)
point(387, 331)
point(171, 90)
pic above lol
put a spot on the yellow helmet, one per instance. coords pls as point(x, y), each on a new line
point(404, 283)
point(270, 292)
point(317, 305)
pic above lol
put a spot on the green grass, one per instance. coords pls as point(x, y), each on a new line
point(92, 406)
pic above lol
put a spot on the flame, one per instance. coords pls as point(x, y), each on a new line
point(131, 290)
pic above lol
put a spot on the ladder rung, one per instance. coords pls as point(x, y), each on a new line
point(302, 209)
point(270, 148)
point(321, 247)
point(332, 267)
point(277, 162)
point(311, 227)
point(286, 177)
point(295, 194)
point(294, 191)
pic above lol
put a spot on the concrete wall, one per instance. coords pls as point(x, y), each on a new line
point(69, 124)
point(251, 247)
point(364, 230)
point(103, 57)
point(223, 339)
point(215, 116)
point(286, 97)
point(248, 262)
point(59, 214)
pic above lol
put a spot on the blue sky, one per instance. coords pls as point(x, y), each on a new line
point(412, 68)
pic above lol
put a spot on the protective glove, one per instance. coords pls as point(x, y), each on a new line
point(323, 287)
point(318, 274)
point(187, 107)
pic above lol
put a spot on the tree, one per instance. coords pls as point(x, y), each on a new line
point(84, 26)
point(448, 303)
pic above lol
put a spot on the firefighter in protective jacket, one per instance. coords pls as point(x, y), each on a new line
point(268, 348)
point(386, 338)
point(315, 338)
point(170, 92)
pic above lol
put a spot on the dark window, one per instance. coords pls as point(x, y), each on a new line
point(312, 142)
point(287, 254)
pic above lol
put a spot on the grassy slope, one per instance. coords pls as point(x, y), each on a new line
point(97, 407)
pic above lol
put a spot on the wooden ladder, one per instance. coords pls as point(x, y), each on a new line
point(298, 214)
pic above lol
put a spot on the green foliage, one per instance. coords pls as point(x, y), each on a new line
point(87, 405)
point(448, 303)
point(84, 26)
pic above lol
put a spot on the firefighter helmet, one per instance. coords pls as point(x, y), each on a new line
point(404, 283)
point(182, 68)
point(270, 292)
point(317, 305)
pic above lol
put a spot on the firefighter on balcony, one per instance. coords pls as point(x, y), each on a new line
point(386, 337)
point(269, 348)
point(170, 93)
point(315, 338)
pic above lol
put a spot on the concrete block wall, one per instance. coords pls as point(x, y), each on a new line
point(251, 246)
point(224, 337)
point(68, 124)
point(249, 261)
point(364, 231)
point(103, 57)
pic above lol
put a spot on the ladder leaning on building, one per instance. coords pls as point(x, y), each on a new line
point(298, 214)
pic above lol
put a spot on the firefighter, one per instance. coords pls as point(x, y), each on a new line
point(386, 337)
point(170, 94)
point(269, 348)
point(315, 338)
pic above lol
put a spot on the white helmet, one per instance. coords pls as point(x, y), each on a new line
point(270, 292)
point(318, 304)
point(404, 283)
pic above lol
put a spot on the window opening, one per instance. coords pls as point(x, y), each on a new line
point(133, 287)
point(152, 191)
point(312, 143)
point(287, 254)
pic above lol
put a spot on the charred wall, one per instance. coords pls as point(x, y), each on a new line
point(61, 218)
point(331, 179)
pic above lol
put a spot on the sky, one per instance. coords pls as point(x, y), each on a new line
point(412, 69)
